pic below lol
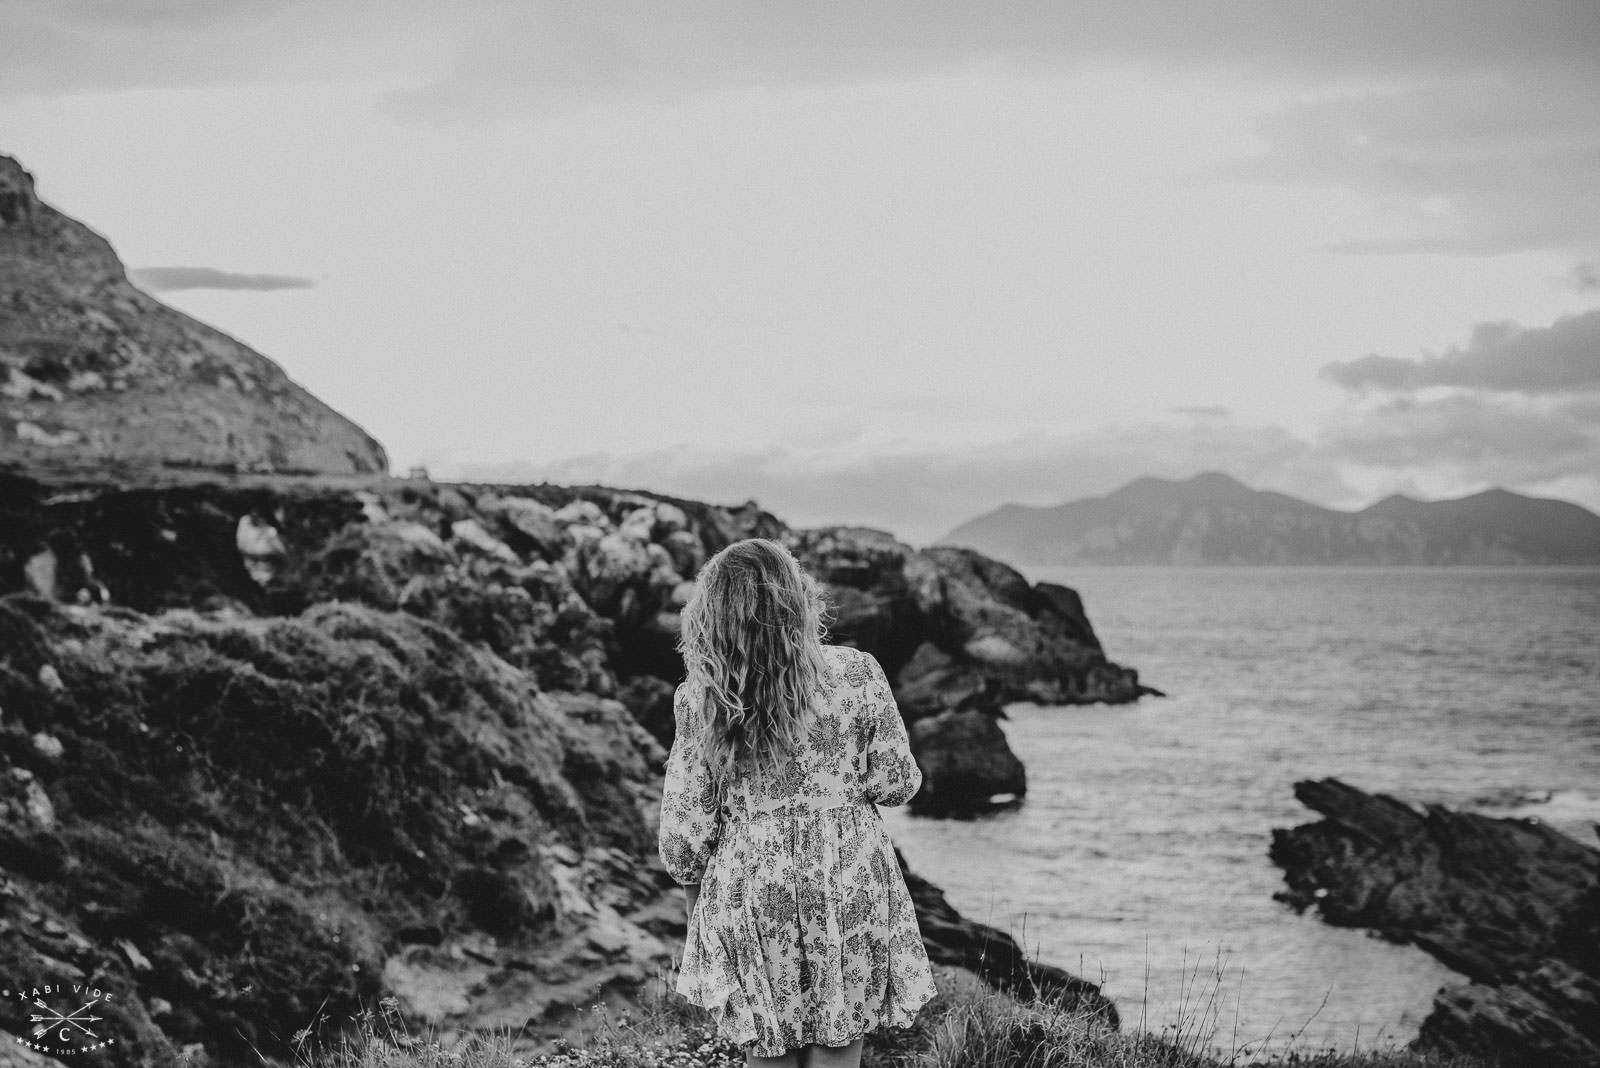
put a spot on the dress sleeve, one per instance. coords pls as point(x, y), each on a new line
point(892, 773)
point(690, 807)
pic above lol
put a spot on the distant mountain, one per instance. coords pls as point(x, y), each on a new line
point(95, 372)
point(1214, 519)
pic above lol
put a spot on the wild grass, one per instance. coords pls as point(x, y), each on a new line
point(968, 1025)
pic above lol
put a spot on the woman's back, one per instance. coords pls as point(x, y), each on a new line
point(803, 932)
point(850, 749)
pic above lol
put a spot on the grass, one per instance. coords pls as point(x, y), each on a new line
point(968, 1025)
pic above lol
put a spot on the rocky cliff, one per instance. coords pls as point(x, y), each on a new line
point(281, 736)
point(268, 741)
point(1511, 904)
point(96, 374)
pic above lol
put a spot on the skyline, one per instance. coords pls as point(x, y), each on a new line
point(861, 266)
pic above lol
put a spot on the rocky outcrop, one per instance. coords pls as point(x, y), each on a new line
point(1511, 904)
point(967, 766)
point(960, 636)
point(955, 629)
point(579, 585)
point(95, 374)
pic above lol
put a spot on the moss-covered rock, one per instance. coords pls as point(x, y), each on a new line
point(270, 810)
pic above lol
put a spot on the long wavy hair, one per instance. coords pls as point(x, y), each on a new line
point(752, 636)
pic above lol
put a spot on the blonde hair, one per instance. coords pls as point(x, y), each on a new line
point(752, 637)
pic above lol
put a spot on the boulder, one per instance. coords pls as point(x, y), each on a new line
point(967, 765)
point(1510, 903)
point(530, 523)
point(955, 629)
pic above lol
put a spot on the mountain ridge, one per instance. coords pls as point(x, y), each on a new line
point(1214, 519)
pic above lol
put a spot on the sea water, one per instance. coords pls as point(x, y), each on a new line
point(1139, 858)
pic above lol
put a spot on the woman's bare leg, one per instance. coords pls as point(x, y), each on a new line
point(832, 1056)
point(788, 1060)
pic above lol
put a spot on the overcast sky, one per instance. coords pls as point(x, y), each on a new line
point(884, 263)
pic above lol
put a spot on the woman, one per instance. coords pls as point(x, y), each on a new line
point(802, 937)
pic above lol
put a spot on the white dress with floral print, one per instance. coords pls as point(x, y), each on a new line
point(804, 931)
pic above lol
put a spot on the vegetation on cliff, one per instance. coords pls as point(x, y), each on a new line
point(967, 1025)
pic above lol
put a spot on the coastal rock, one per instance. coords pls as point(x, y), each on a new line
point(1511, 904)
point(966, 764)
point(955, 629)
point(502, 566)
point(97, 375)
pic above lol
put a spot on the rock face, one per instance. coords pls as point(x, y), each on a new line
point(966, 763)
point(1511, 904)
point(96, 374)
point(955, 629)
point(579, 586)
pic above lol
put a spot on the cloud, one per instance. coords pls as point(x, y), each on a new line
point(50, 47)
point(172, 279)
point(1487, 440)
point(1203, 411)
point(1468, 124)
point(1472, 162)
point(542, 55)
point(1504, 356)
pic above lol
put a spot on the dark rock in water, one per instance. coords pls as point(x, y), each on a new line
point(965, 763)
point(96, 374)
point(1511, 904)
point(951, 938)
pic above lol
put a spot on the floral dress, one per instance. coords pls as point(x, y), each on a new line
point(804, 931)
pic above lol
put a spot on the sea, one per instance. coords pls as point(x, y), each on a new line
point(1139, 857)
